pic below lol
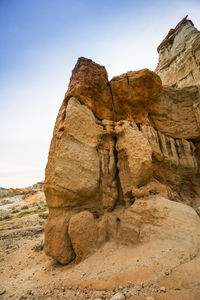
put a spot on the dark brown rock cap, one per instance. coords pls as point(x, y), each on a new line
point(125, 97)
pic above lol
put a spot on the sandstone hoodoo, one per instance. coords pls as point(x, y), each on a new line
point(123, 153)
point(179, 56)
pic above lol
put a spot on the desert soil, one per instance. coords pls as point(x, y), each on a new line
point(136, 272)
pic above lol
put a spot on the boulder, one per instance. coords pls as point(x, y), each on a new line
point(133, 93)
point(57, 243)
point(83, 233)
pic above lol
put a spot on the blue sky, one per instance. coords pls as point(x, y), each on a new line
point(40, 43)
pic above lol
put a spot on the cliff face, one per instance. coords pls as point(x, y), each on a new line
point(179, 56)
point(115, 145)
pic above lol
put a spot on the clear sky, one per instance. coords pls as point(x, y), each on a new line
point(40, 43)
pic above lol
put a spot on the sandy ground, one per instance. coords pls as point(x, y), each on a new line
point(151, 270)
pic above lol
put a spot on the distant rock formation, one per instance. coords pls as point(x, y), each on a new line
point(13, 199)
point(118, 147)
point(11, 192)
point(179, 56)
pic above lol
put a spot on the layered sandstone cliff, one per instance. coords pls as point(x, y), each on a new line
point(179, 56)
point(118, 148)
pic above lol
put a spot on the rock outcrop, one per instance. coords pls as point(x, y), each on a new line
point(117, 148)
point(11, 192)
point(179, 56)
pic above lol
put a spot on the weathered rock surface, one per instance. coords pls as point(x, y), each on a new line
point(89, 84)
point(125, 97)
point(83, 232)
point(152, 220)
point(119, 149)
point(134, 160)
point(57, 241)
point(133, 93)
point(179, 56)
point(176, 113)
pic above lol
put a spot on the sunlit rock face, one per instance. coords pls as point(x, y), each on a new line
point(179, 56)
point(119, 150)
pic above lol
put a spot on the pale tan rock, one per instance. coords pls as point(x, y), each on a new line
point(81, 170)
point(108, 167)
point(176, 152)
point(73, 155)
point(156, 217)
point(179, 56)
point(153, 219)
point(173, 113)
point(134, 159)
point(157, 188)
point(175, 166)
point(83, 234)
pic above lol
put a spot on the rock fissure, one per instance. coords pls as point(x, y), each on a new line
point(113, 102)
point(120, 198)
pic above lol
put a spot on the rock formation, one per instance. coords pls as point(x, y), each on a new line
point(120, 150)
point(179, 56)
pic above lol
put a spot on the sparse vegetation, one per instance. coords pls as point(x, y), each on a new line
point(32, 212)
point(9, 237)
point(41, 222)
point(25, 207)
point(44, 216)
point(7, 217)
point(14, 211)
point(39, 247)
point(25, 213)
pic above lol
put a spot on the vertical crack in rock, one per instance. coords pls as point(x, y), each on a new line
point(120, 199)
point(108, 184)
point(127, 80)
point(196, 109)
point(100, 174)
point(194, 57)
point(113, 102)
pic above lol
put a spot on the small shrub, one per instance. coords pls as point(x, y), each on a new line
point(39, 247)
point(7, 217)
point(44, 216)
point(25, 207)
point(10, 237)
point(41, 222)
point(14, 211)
